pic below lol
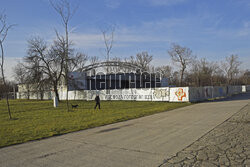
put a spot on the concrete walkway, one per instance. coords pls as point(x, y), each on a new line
point(146, 141)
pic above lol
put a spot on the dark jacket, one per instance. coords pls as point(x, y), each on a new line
point(97, 99)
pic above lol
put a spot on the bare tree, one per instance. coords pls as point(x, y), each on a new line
point(77, 62)
point(215, 72)
point(10, 87)
point(165, 71)
point(202, 72)
point(4, 28)
point(2, 89)
point(51, 60)
point(66, 12)
point(116, 69)
point(218, 77)
point(94, 59)
point(142, 60)
point(231, 68)
point(23, 77)
point(182, 56)
point(20, 73)
point(108, 37)
point(44, 66)
point(34, 75)
point(128, 69)
point(175, 78)
point(245, 77)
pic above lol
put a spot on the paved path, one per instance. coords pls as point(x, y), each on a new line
point(149, 141)
point(226, 145)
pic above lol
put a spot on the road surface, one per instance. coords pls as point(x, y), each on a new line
point(149, 141)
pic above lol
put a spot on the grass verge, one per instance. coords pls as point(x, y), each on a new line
point(35, 119)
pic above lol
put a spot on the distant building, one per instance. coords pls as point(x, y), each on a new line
point(123, 81)
point(82, 81)
point(77, 81)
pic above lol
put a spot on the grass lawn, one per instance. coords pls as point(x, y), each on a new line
point(35, 119)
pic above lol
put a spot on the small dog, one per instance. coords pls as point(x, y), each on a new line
point(74, 106)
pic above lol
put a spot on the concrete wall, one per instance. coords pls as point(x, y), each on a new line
point(156, 94)
point(194, 94)
point(173, 94)
point(204, 93)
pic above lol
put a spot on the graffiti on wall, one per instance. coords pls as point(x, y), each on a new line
point(180, 93)
point(161, 93)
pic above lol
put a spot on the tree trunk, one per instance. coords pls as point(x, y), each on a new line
point(28, 93)
point(7, 102)
point(3, 78)
point(67, 57)
point(41, 93)
point(56, 93)
point(6, 93)
point(182, 73)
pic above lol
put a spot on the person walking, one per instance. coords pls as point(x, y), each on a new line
point(97, 100)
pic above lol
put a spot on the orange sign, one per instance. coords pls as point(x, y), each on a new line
point(180, 94)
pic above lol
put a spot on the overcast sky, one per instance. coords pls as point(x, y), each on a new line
point(213, 29)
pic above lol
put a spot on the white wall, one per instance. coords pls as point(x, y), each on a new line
point(244, 88)
point(161, 94)
point(173, 94)
point(156, 94)
point(179, 94)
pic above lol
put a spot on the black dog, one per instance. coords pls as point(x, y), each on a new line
point(74, 106)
